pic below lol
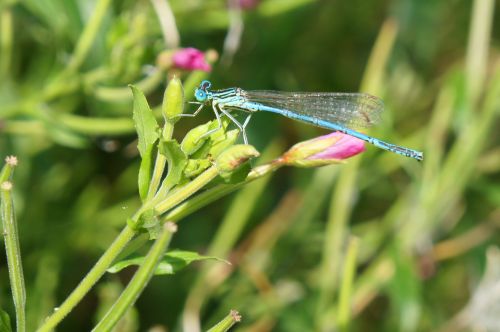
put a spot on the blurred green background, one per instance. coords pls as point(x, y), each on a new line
point(426, 233)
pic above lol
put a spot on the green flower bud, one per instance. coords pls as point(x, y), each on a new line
point(173, 100)
point(224, 142)
point(194, 139)
point(234, 156)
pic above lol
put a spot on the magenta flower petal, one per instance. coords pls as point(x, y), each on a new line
point(346, 146)
point(190, 59)
point(324, 150)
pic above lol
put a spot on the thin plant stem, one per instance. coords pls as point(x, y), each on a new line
point(119, 244)
point(227, 234)
point(335, 232)
point(160, 162)
point(89, 34)
point(6, 37)
point(478, 46)
point(341, 205)
point(167, 23)
point(217, 192)
point(344, 313)
point(97, 126)
point(122, 94)
point(13, 252)
point(138, 282)
point(159, 168)
point(90, 279)
point(224, 325)
point(178, 196)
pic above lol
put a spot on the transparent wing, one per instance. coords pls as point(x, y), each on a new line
point(350, 109)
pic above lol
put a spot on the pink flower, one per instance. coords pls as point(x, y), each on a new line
point(324, 150)
point(346, 146)
point(190, 59)
point(248, 4)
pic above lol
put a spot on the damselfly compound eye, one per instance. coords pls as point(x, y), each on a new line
point(200, 95)
point(204, 85)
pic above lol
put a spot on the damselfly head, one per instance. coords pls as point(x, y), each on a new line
point(201, 93)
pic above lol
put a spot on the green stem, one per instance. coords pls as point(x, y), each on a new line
point(339, 214)
point(341, 205)
point(89, 34)
point(8, 168)
point(159, 168)
point(6, 34)
point(160, 162)
point(344, 314)
point(13, 254)
point(24, 127)
point(213, 194)
point(179, 195)
point(90, 279)
point(478, 47)
point(117, 246)
point(122, 94)
point(138, 282)
point(224, 325)
point(96, 126)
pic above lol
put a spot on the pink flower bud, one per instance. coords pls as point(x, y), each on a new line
point(346, 146)
point(323, 150)
point(190, 59)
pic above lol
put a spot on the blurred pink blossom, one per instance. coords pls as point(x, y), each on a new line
point(248, 4)
point(190, 59)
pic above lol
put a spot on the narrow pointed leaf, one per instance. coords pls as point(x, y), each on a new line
point(171, 263)
point(176, 159)
point(145, 122)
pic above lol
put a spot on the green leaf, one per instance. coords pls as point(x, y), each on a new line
point(145, 122)
point(144, 176)
point(176, 159)
point(4, 322)
point(404, 289)
point(147, 132)
point(171, 263)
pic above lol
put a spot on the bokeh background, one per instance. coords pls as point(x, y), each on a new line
point(426, 233)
